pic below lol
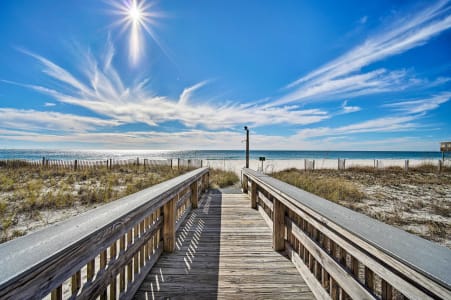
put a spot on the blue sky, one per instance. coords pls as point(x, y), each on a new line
point(303, 75)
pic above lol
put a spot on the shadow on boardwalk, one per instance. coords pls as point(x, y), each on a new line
point(224, 251)
point(193, 269)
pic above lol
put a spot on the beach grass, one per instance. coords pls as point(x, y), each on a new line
point(221, 179)
point(333, 189)
point(417, 201)
point(26, 192)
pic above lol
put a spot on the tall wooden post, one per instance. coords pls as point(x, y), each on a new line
point(75, 164)
point(194, 195)
point(43, 161)
point(278, 232)
point(169, 211)
point(247, 146)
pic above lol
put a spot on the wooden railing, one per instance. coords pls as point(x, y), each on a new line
point(343, 254)
point(105, 252)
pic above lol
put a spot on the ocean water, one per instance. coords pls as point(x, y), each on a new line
point(36, 154)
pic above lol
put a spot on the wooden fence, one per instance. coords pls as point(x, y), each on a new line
point(106, 163)
point(343, 254)
point(104, 252)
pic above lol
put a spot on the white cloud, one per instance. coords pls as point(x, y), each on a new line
point(420, 105)
point(345, 109)
point(49, 104)
point(103, 91)
point(341, 75)
point(186, 94)
point(384, 124)
point(32, 120)
point(199, 139)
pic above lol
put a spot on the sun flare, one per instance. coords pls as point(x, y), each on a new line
point(135, 13)
point(136, 17)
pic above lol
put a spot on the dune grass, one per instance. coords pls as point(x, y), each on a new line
point(27, 191)
point(333, 189)
point(220, 178)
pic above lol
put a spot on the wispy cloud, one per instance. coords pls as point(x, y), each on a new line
point(102, 90)
point(341, 75)
point(385, 124)
point(32, 120)
point(200, 139)
point(49, 104)
point(420, 105)
point(346, 109)
point(186, 94)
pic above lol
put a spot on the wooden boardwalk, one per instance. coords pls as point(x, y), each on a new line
point(224, 251)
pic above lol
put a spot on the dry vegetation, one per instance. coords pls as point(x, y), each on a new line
point(220, 178)
point(418, 201)
point(32, 197)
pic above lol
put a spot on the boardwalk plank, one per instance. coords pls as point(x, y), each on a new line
point(223, 251)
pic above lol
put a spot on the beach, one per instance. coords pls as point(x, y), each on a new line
point(274, 165)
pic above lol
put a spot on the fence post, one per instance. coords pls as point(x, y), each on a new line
point(169, 211)
point(440, 165)
point(194, 195)
point(278, 225)
point(137, 161)
point(43, 161)
point(406, 165)
point(178, 163)
point(75, 164)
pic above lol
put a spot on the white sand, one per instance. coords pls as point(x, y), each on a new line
point(278, 165)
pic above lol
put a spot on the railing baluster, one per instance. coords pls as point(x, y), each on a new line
point(387, 290)
point(122, 271)
point(369, 279)
point(90, 270)
point(113, 284)
point(57, 293)
point(103, 262)
point(76, 283)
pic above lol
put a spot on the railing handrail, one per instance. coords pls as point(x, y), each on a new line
point(430, 259)
point(32, 252)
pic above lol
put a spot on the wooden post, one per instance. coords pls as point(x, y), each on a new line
point(137, 161)
point(387, 291)
point(178, 163)
point(369, 279)
point(278, 232)
point(43, 161)
point(440, 165)
point(244, 184)
point(406, 165)
point(169, 212)
point(194, 195)
point(111, 163)
point(75, 164)
point(254, 195)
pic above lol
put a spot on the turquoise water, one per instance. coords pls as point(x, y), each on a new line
point(210, 154)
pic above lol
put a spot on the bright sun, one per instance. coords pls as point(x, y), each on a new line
point(137, 16)
point(135, 13)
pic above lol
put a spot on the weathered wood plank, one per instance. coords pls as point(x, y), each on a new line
point(224, 250)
